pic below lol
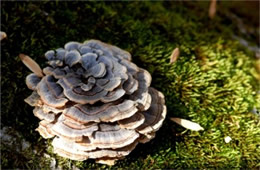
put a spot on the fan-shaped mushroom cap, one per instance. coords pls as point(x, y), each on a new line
point(147, 137)
point(63, 130)
point(95, 102)
point(34, 99)
point(51, 93)
point(132, 122)
point(38, 112)
point(32, 80)
point(70, 150)
point(55, 72)
point(109, 112)
point(155, 115)
point(45, 129)
point(141, 96)
point(112, 136)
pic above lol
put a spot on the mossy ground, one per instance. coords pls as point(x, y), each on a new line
point(214, 81)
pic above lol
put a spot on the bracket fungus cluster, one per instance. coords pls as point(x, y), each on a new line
point(94, 101)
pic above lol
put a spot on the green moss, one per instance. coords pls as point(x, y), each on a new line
point(212, 83)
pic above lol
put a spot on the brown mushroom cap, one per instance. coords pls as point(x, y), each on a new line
point(95, 102)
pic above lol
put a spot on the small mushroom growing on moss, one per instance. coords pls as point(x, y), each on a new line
point(94, 101)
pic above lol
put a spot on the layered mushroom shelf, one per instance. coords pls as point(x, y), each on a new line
point(95, 102)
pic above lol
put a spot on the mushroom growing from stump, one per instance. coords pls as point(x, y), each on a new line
point(94, 101)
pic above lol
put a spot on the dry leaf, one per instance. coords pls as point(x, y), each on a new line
point(227, 139)
point(175, 55)
point(187, 124)
point(2, 35)
point(212, 8)
point(31, 64)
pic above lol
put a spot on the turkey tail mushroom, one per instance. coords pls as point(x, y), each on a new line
point(94, 101)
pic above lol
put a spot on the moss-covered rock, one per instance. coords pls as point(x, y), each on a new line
point(214, 82)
